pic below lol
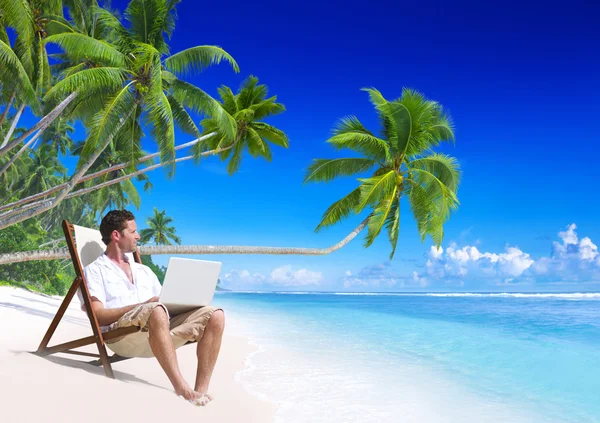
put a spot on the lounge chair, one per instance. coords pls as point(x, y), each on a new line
point(85, 245)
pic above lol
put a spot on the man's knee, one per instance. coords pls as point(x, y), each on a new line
point(216, 321)
point(158, 317)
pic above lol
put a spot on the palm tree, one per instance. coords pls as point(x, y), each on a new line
point(127, 78)
point(57, 135)
point(248, 107)
point(126, 75)
point(404, 166)
point(25, 70)
point(121, 194)
point(44, 170)
point(159, 231)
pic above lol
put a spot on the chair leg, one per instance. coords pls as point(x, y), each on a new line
point(104, 359)
point(61, 311)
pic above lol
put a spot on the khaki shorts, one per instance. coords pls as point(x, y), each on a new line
point(186, 327)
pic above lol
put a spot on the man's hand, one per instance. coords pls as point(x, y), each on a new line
point(151, 300)
point(106, 316)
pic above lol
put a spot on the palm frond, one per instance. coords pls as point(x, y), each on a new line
point(228, 99)
point(373, 189)
point(182, 118)
point(4, 35)
point(431, 202)
point(271, 134)
point(110, 26)
point(236, 158)
point(250, 93)
point(127, 142)
point(197, 59)
point(78, 12)
point(81, 47)
point(196, 99)
point(257, 146)
point(14, 75)
point(105, 124)
point(132, 193)
point(339, 210)
point(267, 107)
point(392, 224)
point(17, 14)
point(379, 216)
point(161, 114)
point(146, 18)
point(57, 25)
point(397, 120)
point(445, 168)
point(53, 7)
point(350, 133)
point(88, 82)
point(325, 170)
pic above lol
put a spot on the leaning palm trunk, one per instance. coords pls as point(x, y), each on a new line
point(95, 175)
point(51, 203)
point(139, 172)
point(21, 151)
point(45, 122)
point(8, 105)
point(13, 126)
point(60, 253)
point(80, 192)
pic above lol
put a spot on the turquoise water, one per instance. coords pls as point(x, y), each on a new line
point(423, 357)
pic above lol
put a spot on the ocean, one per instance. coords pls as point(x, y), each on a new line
point(324, 357)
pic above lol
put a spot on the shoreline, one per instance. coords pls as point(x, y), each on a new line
point(63, 386)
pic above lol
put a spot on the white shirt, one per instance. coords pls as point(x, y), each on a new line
point(110, 285)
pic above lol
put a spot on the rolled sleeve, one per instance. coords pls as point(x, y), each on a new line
point(95, 285)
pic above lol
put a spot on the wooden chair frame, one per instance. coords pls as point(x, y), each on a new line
point(98, 337)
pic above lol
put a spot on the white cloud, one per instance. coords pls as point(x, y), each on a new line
point(435, 252)
point(458, 262)
point(380, 277)
point(571, 259)
point(377, 276)
point(243, 277)
point(569, 236)
point(285, 276)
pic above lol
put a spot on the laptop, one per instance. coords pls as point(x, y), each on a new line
point(189, 284)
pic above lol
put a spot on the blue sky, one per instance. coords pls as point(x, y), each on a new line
point(521, 83)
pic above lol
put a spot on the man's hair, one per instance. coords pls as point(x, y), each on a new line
point(115, 220)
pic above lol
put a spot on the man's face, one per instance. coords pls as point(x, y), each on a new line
point(127, 238)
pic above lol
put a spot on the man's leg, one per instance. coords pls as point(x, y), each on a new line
point(208, 350)
point(164, 350)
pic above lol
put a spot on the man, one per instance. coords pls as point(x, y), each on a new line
point(125, 293)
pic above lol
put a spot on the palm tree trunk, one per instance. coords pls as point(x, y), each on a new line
point(16, 156)
point(60, 253)
point(12, 126)
point(41, 125)
point(95, 175)
point(12, 98)
point(139, 172)
point(51, 203)
point(108, 183)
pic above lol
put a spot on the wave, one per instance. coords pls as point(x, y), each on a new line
point(571, 295)
point(574, 295)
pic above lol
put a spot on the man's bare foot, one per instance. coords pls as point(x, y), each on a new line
point(202, 400)
point(187, 393)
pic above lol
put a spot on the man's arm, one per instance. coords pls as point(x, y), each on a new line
point(106, 316)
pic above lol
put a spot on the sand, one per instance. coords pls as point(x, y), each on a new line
point(64, 388)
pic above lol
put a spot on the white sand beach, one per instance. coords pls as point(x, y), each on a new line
point(63, 388)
